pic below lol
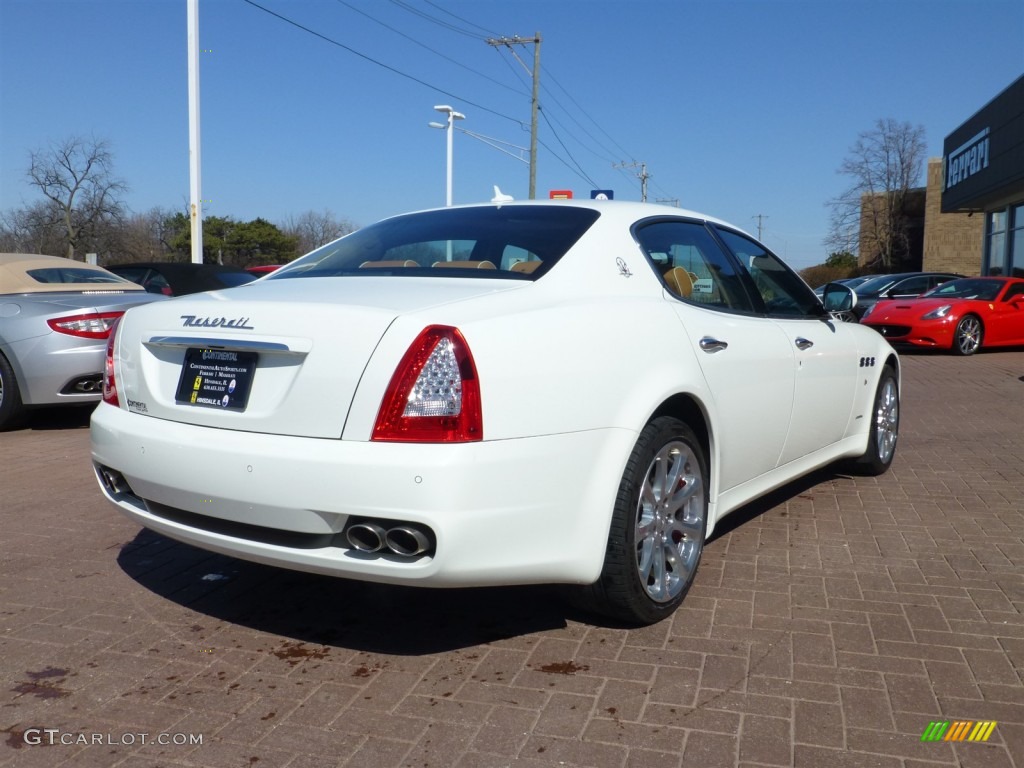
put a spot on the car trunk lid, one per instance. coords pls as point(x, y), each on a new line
point(282, 357)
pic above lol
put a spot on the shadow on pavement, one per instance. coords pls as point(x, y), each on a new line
point(70, 417)
point(339, 612)
point(365, 616)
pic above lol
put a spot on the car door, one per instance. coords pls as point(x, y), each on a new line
point(745, 358)
point(823, 349)
point(1004, 322)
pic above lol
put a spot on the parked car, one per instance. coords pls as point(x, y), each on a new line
point(962, 316)
point(903, 285)
point(55, 316)
point(175, 278)
point(568, 392)
point(851, 282)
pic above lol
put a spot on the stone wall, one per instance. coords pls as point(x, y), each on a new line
point(953, 242)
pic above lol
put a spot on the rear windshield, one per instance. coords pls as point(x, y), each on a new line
point(71, 275)
point(508, 241)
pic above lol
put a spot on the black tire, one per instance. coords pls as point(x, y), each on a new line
point(12, 413)
point(968, 336)
point(885, 426)
point(655, 542)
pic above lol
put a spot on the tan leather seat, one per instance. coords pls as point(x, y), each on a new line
point(392, 263)
point(526, 267)
point(466, 264)
point(679, 282)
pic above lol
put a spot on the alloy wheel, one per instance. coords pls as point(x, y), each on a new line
point(669, 532)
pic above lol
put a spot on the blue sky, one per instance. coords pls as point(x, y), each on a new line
point(738, 108)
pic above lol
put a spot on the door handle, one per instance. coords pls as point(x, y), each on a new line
point(711, 345)
point(802, 343)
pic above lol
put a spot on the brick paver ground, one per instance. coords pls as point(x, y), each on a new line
point(828, 626)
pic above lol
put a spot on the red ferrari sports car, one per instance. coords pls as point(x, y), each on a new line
point(962, 315)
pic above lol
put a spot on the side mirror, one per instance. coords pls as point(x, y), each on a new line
point(838, 298)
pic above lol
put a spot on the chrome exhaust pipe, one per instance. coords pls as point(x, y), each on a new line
point(366, 537)
point(407, 541)
point(114, 482)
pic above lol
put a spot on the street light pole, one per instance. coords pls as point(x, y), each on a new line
point(449, 126)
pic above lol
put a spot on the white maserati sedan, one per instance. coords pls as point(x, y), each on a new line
point(566, 392)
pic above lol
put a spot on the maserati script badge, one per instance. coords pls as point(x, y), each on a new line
point(191, 321)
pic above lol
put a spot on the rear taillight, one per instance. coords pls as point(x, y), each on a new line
point(434, 394)
point(109, 382)
point(94, 325)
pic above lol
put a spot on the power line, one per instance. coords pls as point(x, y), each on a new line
point(425, 47)
point(463, 28)
point(381, 64)
point(486, 32)
point(434, 20)
point(582, 173)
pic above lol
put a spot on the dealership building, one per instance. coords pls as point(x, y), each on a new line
point(974, 203)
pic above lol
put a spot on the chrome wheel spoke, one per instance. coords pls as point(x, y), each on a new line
point(645, 530)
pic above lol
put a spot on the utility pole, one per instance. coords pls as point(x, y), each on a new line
point(760, 219)
point(643, 176)
point(195, 166)
point(517, 40)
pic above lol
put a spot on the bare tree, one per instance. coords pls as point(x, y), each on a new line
point(871, 217)
point(315, 229)
point(141, 237)
point(31, 229)
point(75, 176)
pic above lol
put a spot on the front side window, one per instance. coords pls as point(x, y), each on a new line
point(968, 288)
point(780, 289)
point(1015, 291)
point(507, 241)
point(912, 286)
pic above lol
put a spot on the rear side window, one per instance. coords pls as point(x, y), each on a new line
point(693, 265)
point(508, 241)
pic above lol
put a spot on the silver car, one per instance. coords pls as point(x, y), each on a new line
point(55, 317)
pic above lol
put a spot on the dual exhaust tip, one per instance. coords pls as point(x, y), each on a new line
point(403, 540)
point(84, 385)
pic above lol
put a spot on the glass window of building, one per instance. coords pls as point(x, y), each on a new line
point(995, 243)
point(1017, 242)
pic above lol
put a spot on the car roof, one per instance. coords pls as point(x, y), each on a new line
point(625, 210)
point(15, 277)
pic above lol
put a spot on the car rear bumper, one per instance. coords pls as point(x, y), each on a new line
point(55, 369)
point(533, 510)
